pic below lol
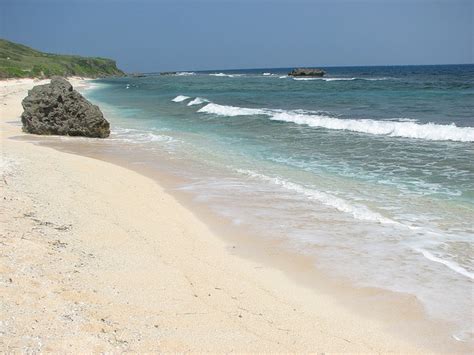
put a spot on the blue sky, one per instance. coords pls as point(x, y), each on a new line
point(145, 35)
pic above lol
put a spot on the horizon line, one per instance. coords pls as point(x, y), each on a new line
point(302, 66)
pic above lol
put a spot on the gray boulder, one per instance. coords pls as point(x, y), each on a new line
point(57, 108)
point(307, 72)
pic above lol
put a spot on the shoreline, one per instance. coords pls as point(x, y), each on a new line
point(400, 314)
point(275, 312)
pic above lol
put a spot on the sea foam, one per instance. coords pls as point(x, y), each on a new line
point(359, 212)
point(135, 136)
point(392, 128)
point(453, 266)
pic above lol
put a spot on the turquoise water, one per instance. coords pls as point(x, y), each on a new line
point(369, 169)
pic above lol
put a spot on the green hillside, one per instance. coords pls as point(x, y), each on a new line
point(19, 61)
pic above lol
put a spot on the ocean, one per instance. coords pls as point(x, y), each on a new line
point(368, 170)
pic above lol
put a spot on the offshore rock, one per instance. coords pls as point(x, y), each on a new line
point(307, 72)
point(56, 108)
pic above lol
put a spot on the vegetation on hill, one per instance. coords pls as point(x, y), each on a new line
point(19, 61)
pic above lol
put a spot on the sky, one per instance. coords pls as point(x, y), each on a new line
point(161, 35)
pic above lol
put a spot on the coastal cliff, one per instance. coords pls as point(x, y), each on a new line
point(19, 61)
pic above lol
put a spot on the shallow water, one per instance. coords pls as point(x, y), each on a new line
point(368, 169)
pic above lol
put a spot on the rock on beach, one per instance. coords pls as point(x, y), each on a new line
point(57, 109)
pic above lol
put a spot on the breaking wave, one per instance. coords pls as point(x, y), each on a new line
point(197, 101)
point(180, 98)
point(185, 73)
point(427, 131)
point(391, 128)
point(223, 110)
point(339, 79)
point(225, 75)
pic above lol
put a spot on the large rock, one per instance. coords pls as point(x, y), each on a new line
point(307, 72)
point(57, 108)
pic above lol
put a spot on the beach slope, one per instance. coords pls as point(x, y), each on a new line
point(100, 258)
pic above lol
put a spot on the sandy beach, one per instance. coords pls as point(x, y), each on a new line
point(96, 257)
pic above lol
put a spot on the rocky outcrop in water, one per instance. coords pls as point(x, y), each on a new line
point(57, 108)
point(307, 72)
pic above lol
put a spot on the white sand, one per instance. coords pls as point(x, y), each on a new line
point(95, 257)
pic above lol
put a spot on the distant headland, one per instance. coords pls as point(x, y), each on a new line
point(19, 61)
